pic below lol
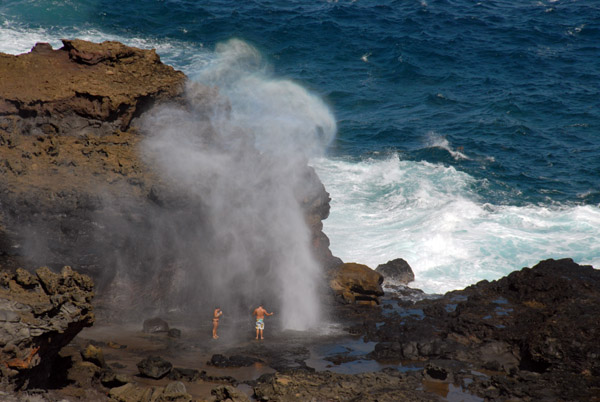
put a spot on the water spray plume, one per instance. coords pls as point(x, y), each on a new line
point(240, 153)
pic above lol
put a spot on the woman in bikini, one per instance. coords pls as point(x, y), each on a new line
point(217, 314)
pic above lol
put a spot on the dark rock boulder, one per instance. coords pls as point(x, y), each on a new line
point(185, 374)
point(154, 367)
point(153, 325)
point(396, 272)
point(227, 393)
point(39, 314)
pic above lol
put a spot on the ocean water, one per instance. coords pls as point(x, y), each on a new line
point(466, 134)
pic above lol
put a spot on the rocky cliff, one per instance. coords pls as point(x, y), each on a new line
point(75, 189)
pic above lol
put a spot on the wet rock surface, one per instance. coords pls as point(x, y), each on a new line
point(529, 336)
point(532, 333)
point(396, 272)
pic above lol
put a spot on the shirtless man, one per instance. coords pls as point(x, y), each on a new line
point(260, 313)
point(216, 315)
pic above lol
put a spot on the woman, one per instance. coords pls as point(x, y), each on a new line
point(217, 314)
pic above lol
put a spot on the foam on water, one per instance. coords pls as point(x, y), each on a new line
point(431, 216)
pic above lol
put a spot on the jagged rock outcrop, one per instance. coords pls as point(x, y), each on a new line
point(81, 89)
point(396, 272)
point(39, 314)
point(536, 331)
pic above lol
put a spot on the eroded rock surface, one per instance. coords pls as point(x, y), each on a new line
point(39, 314)
point(82, 88)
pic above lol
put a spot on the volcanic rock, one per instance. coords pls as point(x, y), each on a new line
point(396, 272)
point(219, 360)
point(39, 315)
point(154, 367)
point(227, 393)
point(156, 324)
point(94, 355)
point(536, 330)
point(356, 283)
point(173, 392)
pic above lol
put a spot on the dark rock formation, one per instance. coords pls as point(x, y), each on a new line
point(156, 324)
point(219, 360)
point(396, 272)
point(39, 314)
point(154, 367)
point(190, 375)
point(356, 283)
point(535, 330)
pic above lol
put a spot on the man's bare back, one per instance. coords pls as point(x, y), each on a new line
point(260, 313)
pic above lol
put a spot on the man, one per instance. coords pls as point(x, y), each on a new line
point(216, 315)
point(260, 313)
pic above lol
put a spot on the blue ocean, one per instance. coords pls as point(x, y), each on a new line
point(465, 134)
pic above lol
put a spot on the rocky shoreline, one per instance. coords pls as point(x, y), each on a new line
point(68, 129)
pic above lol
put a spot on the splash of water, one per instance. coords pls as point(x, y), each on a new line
point(242, 151)
point(431, 216)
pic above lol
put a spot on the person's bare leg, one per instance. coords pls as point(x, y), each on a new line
point(261, 334)
point(256, 333)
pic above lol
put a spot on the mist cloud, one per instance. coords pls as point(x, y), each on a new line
point(237, 157)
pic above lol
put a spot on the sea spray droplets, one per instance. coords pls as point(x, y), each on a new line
point(242, 152)
point(284, 117)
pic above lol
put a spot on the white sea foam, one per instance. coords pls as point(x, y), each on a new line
point(429, 215)
point(438, 141)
